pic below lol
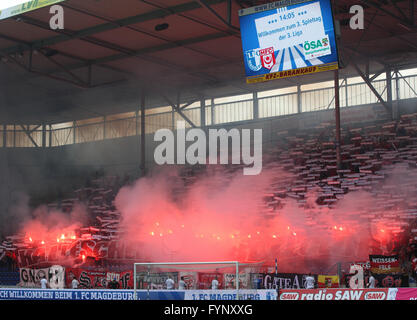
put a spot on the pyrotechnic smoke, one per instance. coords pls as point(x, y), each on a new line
point(220, 218)
point(43, 224)
point(18, 214)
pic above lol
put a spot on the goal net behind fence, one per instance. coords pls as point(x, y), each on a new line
point(222, 277)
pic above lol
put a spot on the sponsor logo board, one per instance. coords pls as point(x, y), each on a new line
point(337, 294)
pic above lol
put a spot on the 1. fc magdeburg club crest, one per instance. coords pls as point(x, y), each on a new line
point(253, 59)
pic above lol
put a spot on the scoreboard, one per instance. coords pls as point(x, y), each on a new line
point(288, 38)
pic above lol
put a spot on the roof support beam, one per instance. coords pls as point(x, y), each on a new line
point(206, 5)
point(84, 62)
point(157, 14)
point(375, 92)
point(378, 6)
point(229, 12)
point(402, 14)
point(363, 55)
point(28, 133)
point(177, 109)
point(138, 30)
point(187, 104)
point(65, 69)
point(408, 84)
point(51, 76)
point(376, 75)
point(123, 53)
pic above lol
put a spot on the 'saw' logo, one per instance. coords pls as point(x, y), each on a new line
point(374, 295)
point(267, 57)
point(289, 296)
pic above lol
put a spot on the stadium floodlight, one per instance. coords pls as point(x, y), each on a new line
point(152, 275)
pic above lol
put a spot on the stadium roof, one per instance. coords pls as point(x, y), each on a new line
point(110, 50)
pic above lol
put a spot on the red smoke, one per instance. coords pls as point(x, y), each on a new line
point(223, 217)
point(220, 218)
point(48, 227)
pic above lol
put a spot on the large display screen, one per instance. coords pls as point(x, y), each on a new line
point(288, 38)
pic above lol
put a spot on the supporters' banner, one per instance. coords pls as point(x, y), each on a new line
point(205, 279)
point(87, 279)
point(230, 283)
point(338, 294)
point(381, 280)
point(347, 277)
point(406, 294)
point(59, 252)
point(384, 264)
point(56, 277)
point(325, 281)
point(31, 278)
point(155, 281)
point(364, 264)
point(388, 280)
point(124, 279)
point(279, 281)
point(93, 294)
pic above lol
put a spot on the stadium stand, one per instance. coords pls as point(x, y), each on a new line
point(369, 152)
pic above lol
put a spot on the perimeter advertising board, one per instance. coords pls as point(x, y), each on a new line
point(288, 38)
point(94, 294)
point(339, 294)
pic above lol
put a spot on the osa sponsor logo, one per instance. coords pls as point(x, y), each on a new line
point(317, 48)
point(311, 45)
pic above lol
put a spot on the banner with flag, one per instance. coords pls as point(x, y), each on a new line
point(381, 264)
point(326, 281)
